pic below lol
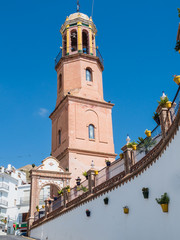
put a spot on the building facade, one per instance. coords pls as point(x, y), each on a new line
point(81, 122)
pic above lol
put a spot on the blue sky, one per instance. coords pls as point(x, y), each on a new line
point(136, 40)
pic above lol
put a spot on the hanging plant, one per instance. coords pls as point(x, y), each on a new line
point(88, 213)
point(85, 174)
point(132, 145)
point(108, 163)
point(145, 192)
point(156, 118)
point(126, 209)
point(106, 201)
point(163, 201)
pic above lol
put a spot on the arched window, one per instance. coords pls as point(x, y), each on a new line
point(59, 136)
point(60, 81)
point(73, 40)
point(88, 75)
point(85, 42)
point(91, 131)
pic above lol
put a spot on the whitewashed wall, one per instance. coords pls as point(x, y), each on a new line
point(145, 219)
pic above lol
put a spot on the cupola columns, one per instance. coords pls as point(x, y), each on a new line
point(79, 24)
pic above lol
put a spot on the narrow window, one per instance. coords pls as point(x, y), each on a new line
point(60, 81)
point(88, 75)
point(73, 41)
point(59, 136)
point(91, 131)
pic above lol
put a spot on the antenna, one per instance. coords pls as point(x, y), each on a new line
point(78, 6)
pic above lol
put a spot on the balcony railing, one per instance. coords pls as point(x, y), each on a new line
point(3, 202)
point(74, 50)
point(4, 186)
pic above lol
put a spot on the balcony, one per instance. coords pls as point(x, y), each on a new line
point(63, 53)
point(4, 187)
point(3, 203)
point(23, 201)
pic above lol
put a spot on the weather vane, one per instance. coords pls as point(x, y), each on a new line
point(78, 6)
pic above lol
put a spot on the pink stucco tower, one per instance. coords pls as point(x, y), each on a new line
point(81, 121)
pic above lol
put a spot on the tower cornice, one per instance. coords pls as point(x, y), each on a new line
point(77, 56)
point(81, 100)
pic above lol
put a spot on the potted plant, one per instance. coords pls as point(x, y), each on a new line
point(177, 47)
point(88, 213)
point(78, 181)
point(163, 100)
point(148, 133)
point(132, 145)
point(37, 208)
point(84, 189)
point(85, 175)
point(43, 206)
point(145, 145)
point(108, 163)
point(33, 165)
point(126, 209)
point(106, 201)
point(156, 118)
point(145, 192)
point(68, 189)
point(60, 192)
point(177, 79)
point(121, 156)
point(67, 169)
point(168, 104)
point(163, 201)
point(96, 172)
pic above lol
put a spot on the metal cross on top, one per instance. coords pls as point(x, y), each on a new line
point(78, 6)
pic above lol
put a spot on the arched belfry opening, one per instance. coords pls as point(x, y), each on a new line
point(46, 180)
point(85, 42)
point(64, 43)
point(73, 41)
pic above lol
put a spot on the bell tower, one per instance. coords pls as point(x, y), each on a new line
point(81, 121)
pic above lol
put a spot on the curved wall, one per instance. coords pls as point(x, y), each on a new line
point(145, 219)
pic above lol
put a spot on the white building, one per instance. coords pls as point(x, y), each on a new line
point(14, 189)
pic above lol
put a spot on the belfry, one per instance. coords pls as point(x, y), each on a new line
point(81, 122)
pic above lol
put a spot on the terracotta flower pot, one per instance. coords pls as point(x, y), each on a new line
point(177, 79)
point(134, 147)
point(168, 104)
point(148, 133)
point(146, 194)
point(126, 210)
point(164, 207)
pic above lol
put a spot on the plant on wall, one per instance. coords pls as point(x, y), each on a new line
point(156, 118)
point(132, 145)
point(145, 145)
point(85, 174)
point(106, 201)
point(145, 192)
point(163, 201)
point(163, 101)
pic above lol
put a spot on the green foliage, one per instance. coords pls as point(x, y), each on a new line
point(67, 187)
point(178, 12)
point(163, 199)
point(145, 189)
point(146, 144)
point(60, 192)
point(37, 207)
point(177, 47)
point(130, 145)
point(155, 116)
point(82, 188)
point(84, 174)
point(163, 101)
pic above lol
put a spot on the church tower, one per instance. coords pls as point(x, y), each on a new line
point(81, 121)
